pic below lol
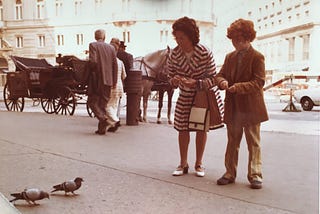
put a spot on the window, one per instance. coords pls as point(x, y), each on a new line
point(164, 36)
point(40, 9)
point(77, 7)
point(98, 5)
point(42, 41)
point(59, 8)
point(19, 41)
point(18, 10)
point(79, 39)
point(60, 40)
point(1, 10)
point(125, 5)
point(126, 36)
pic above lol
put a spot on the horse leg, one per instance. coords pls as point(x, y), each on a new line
point(160, 104)
point(145, 107)
point(170, 95)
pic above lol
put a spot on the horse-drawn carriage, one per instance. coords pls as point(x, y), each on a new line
point(58, 88)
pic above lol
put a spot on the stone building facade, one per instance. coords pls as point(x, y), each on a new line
point(288, 33)
point(44, 28)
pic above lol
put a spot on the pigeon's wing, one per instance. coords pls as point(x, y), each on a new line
point(58, 187)
point(70, 186)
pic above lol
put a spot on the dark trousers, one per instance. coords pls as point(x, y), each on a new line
point(98, 103)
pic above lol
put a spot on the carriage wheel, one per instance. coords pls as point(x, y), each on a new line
point(12, 104)
point(65, 103)
point(48, 105)
point(89, 110)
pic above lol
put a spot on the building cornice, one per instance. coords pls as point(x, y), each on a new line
point(288, 30)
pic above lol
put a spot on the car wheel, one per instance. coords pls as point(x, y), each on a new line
point(306, 104)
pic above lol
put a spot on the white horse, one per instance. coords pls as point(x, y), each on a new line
point(155, 78)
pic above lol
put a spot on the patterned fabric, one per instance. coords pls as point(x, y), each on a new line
point(199, 66)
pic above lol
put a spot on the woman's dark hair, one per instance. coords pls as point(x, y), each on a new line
point(189, 27)
point(242, 28)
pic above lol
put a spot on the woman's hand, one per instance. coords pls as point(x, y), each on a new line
point(176, 80)
point(189, 82)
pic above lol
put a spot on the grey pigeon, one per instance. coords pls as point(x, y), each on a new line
point(30, 195)
point(68, 186)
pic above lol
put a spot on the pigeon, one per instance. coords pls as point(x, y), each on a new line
point(68, 186)
point(30, 195)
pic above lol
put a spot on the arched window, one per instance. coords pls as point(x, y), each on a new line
point(18, 10)
point(40, 9)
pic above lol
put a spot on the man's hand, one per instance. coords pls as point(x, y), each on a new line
point(232, 89)
point(224, 85)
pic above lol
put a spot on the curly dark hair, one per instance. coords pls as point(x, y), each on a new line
point(242, 28)
point(189, 27)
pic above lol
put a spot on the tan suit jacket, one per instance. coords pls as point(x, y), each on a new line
point(246, 106)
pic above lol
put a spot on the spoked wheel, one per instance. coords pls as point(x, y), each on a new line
point(12, 103)
point(89, 110)
point(48, 105)
point(65, 103)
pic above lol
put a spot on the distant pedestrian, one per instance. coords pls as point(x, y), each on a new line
point(125, 57)
point(243, 76)
point(103, 64)
point(191, 68)
point(117, 92)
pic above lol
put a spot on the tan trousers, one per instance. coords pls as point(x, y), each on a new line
point(252, 134)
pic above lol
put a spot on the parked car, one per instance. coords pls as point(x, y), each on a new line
point(308, 98)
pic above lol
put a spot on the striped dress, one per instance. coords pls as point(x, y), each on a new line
point(200, 65)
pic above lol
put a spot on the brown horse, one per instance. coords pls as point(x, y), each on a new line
point(155, 78)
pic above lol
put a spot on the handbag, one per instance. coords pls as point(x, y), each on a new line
point(199, 117)
point(205, 113)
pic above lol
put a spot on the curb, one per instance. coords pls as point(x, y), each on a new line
point(6, 207)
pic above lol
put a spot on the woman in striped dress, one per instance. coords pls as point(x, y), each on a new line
point(191, 68)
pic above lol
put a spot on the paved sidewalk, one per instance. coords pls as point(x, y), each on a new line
point(130, 171)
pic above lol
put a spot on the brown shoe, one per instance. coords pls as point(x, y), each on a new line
point(114, 128)
point(99, 133)
point(255, 184)
point(224, 181)
point(102, 126)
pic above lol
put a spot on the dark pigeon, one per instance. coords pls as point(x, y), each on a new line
point(68, 186)
point(30, 195)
